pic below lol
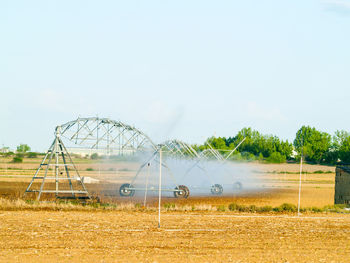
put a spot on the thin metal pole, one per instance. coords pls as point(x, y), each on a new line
point(160, 185)
point(301, 169)
point(46, 170)
point(145, 199)
point(66, 168)
point(56, 166)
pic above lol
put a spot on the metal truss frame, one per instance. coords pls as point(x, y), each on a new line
point(109, 136)
point(59, 158)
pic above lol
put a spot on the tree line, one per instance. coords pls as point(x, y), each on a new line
point(315, 146)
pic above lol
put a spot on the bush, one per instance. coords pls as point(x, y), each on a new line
point(316, 209)
point(252, 208)
point(32, 155)
point(89, 169)
point(232, 207)
point(236, 156)
point(276, 157)
point(221, 208)
point(338, 208)
point(248, 156)
point(323, 172)
point(8, 154)
point(286, 208)
point(17, 159)
point(266, 208)
point(243, 208)
point(169, 205)
point(20, 155)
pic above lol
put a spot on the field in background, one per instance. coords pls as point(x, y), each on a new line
point(279, 183)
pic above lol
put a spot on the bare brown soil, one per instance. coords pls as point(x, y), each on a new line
point(187, 237)
point(200, 236)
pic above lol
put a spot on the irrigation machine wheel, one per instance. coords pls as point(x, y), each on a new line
point(216, 189)
point(237, 186)
point(185, 192)
point(123, 191)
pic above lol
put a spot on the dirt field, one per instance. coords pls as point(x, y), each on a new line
point(195, 236)
point(202, 237)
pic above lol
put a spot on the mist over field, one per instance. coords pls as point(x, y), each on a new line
point(197, 174)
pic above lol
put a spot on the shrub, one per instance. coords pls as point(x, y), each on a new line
point(323, 172)
point(316, 209)
point(248, 156)
point(286, 207)
point(277, 209)
point(276, 157)
point(32, 155)
point(252, 208)
point(232, 207)
point(243, 208)
point(20, 155)
point(236, 156)
point(266, 208)
point(17, 159)
point(89, 169)
point(8, 154)
point(335, 208)
point(169, 205)
point(221, 208)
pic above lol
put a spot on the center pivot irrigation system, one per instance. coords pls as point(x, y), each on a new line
point(109, 137)
point(181, 150)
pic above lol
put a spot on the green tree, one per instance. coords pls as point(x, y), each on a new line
point(22, 148)
point(276, 157)
point(344, 151)
point(258, 144)
point(313, 144)
point(340, 149)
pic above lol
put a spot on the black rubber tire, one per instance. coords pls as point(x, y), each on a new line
point(126, 192)
point(217, 189)
point(184, 193)
point(237, 186)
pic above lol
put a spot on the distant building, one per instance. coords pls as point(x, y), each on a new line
point(4, 149)
point(342, 184)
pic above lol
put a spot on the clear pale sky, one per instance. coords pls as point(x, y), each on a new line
point(174, 69)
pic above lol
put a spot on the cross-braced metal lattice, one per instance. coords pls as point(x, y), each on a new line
point(179, 148)
point(106, 136)
point(64, 174)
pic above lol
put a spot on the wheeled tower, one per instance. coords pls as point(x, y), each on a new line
point(57, 174)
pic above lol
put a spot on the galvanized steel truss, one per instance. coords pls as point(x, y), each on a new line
point(64, 174)
point(109, 136)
